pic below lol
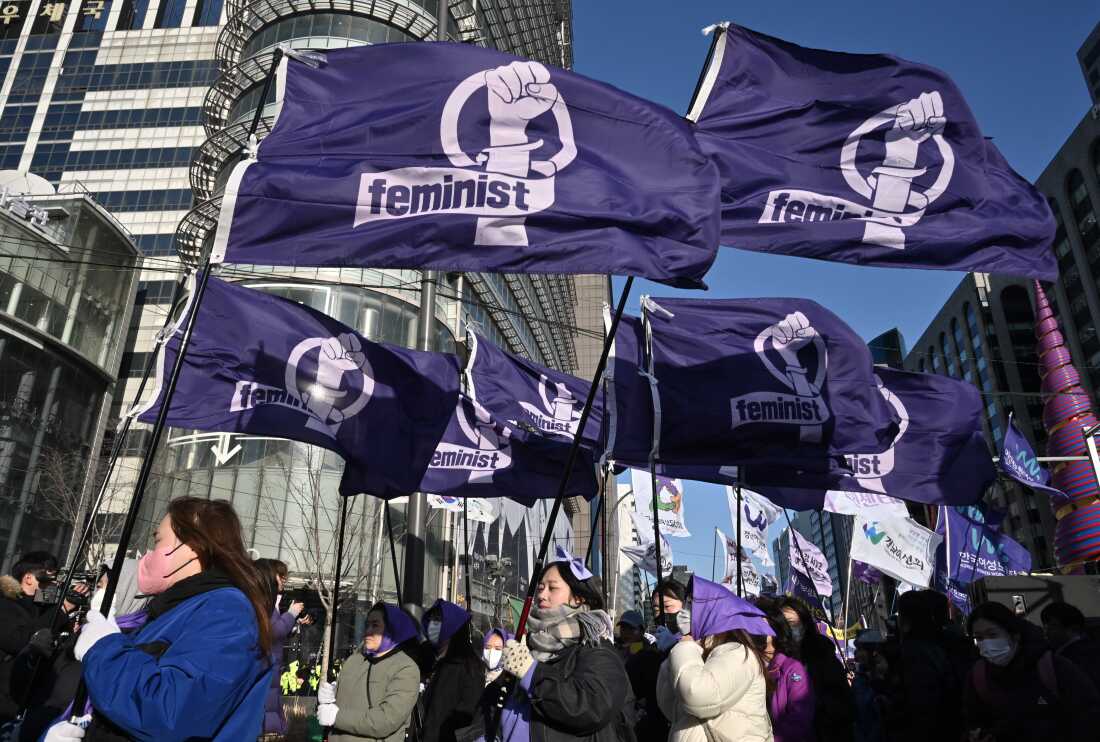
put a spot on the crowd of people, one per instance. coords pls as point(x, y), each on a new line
point(192, 649)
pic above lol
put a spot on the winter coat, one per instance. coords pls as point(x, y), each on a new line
point(1085, 654)
point(274, 718)
point(791, 705)
point(451, 698)
point(925, 697)
point(20, 617)
point(193, 672)
point(723, 699)
point(1016, 704)
point(376, 697)
point(643, 669)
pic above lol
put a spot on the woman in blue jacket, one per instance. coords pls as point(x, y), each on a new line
point(198, 669)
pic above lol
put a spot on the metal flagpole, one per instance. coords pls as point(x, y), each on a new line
point(802, 556)
point(336, 588)
point(563, 484)
point(713, 553)
point(740, 583)
point(596, 519)
point(393, 553)
point(847, 596)
point(654, 452)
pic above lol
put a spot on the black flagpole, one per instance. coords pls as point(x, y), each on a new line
point(596, 521)
point(336, 588)
point(393, 554)
point(805, 564)
point(466, 551)
point(653, 462)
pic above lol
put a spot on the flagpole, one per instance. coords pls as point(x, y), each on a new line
point(798, 546)
point(596, 520)
point(740, 584)
point(574, 450)
point(336, 589)
point(847, 596)
point(713, 553)
point(563, 484)
point(466, 551)
point(393, 553)
point(654, 450)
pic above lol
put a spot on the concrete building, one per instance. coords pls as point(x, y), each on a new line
point(67, 274)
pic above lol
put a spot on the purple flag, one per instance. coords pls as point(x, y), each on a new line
point(263, 365)
point(939, 455)
point(479, 456)
point(461, 158)
point(861, 158)
point(1018, 461)
point(748, 380)
point(802, 587)
point(975, 549)
point(531, 398)
point(865, 573)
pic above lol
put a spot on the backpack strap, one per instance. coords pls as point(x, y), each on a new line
point(1047, 675)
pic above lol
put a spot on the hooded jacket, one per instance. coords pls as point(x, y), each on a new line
point(791, 705)
point(376, 694)
point(194, 671)
point(20, 618)
point(492, 673)
point(455, 685)
point(1014, 703)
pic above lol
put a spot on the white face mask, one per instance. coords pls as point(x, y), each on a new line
point(434, 627)
point(998, 651)
point(492, 657)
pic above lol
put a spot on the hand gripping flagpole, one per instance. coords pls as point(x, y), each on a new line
point(563, 484)
point(335, 618)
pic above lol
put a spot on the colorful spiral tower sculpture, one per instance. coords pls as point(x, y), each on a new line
point(1067, 410)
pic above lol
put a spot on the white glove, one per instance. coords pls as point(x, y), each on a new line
point(326, 693)
point(326, 714)
point(65, 730)
point(96, 628)
point(517, 659)
point(665, 639)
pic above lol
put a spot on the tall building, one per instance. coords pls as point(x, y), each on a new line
point(145, 105)
point(985, 335)
point(888, 349)
point(1089, 58)
point(67, 270)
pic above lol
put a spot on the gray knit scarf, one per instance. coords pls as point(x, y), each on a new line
point(552, 630)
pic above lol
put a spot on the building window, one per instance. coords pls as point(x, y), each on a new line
point(136, 442)
point(133, 365)
point(170, 13)
point(155, 292)
point(208, 12)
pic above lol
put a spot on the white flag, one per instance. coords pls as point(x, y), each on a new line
point(644, 554)
point(757, 514)
point(478, 509)
point(750, 578)
point(880, 507)
point(815, 565)
point(901, 548)
point(670, 501)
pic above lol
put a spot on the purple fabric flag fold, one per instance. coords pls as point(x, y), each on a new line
point(865, 573)
point(480, 456)
point(715, 610)
point(461, 158)
point(263, 365)
point(533, 399)
point(1018, 460)
point(939, 455)
point(747, 380)
point(977, 548)
point(861, 158)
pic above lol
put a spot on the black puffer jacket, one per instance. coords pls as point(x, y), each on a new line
point(451, 698)
point(834, 710)
point(20, 618)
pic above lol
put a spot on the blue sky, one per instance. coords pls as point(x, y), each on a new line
point(1015, 63)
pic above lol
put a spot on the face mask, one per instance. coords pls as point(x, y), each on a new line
point(997, 651)
point(434, 627)
point(798, 632)
point(492, 657)
point(155, 570)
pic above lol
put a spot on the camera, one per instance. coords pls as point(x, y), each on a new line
point(50, 584)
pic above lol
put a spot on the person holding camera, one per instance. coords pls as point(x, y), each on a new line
point(282, 624)
point(26, 607)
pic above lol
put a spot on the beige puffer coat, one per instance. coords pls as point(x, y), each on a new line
point(722, 700)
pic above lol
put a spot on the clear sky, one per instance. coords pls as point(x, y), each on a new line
point(1014, 61)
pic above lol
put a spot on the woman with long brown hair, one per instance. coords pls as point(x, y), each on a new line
point(714, 685)
point(199, 667)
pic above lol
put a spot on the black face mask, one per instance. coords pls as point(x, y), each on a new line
point(677, 623)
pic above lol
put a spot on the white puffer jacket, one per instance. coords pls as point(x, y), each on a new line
point(724, 699)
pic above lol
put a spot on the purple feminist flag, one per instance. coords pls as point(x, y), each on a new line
point(455, 157)
point(975, 549)
point(263, 365)
point(861, 158)
point(742, 380)
point(802, 587)
point(1018, 461)
point(531, 398)
point(938, 456)
point(479, 456)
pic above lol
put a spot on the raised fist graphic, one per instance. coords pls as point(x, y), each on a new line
point(914, 122)
point(790, 335)
point(518, 93)
point(339, 355)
